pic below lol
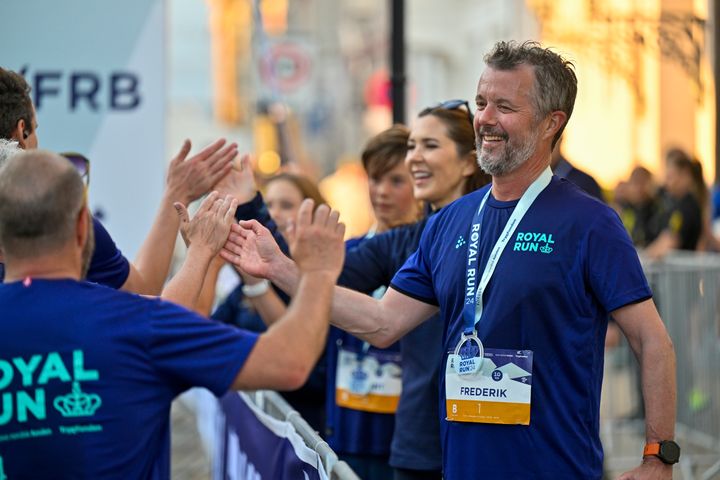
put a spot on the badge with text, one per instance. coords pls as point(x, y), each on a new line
point(369, 381)
point(497, 391)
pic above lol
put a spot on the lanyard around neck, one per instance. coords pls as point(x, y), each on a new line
point(473, 308)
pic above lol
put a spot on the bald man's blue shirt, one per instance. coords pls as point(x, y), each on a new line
point(87, 375)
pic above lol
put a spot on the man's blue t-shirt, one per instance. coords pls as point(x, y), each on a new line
point(107, 266)
point(555, 304)
point(87, 375)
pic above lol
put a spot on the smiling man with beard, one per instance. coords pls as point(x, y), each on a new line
point(524, 273)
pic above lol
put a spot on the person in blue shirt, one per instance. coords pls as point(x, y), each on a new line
point(524, 272)
point(187, 180)
point(440, 153)
point(562, 168)
point(87, 373)
point(363, 382)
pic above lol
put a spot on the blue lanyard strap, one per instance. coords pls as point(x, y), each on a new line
point(474, 286)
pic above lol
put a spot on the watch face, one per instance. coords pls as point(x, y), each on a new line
point(669, 451)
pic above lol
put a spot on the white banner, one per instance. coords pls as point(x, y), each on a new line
point(97, 74)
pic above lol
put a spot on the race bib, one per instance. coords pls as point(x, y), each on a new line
point(370, 382)
point(498, 392)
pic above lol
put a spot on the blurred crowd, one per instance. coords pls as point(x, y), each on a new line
point(675, 213)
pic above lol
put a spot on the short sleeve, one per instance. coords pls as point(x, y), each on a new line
point(365, 267)
point(613, 268)
point(190, 350)
point(414, 278)
point(108, 266)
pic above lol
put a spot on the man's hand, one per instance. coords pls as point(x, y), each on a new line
point(650, 469)
point(317, 245)
point(190, 178)
point(251, 248)
point(239, 182)
point(210, 227)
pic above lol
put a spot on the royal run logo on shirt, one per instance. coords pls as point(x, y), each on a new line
point(29, 400)
point(534, 242)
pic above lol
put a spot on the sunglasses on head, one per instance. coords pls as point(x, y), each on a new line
point(81, 164)
point(455, 104)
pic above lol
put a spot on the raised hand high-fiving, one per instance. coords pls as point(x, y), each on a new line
point(210, 226)
point(317, 240)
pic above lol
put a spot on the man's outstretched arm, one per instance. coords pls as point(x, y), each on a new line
point(380, 322)
point(284, 355)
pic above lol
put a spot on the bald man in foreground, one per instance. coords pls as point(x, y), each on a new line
point(87, 373)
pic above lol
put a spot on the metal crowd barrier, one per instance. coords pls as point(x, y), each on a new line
point(686, 288)
point(274, 405)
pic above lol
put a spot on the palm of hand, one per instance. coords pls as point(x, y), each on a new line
point(239, 182)
point(255, 256)
point(190, 178)
point(251, 248)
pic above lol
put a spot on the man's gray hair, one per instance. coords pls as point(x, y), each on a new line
point(41, 195)
point(555, 86)
point(8, 149)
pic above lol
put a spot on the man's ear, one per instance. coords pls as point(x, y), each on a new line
point(81, 226)
point(470, 164)
point(20, 133)
point(556, 120)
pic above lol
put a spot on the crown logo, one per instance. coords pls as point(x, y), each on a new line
point(460, 242)
point(77, 403)
point(546, 248)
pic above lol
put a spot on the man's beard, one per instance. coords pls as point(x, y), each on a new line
point(88, 250)
point(512, 156)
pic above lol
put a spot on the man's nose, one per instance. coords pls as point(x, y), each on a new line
point(486, 116)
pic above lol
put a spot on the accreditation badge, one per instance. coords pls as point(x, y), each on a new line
point(497, 392)
point(368, 381)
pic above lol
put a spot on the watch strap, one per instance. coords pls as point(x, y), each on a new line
point(251, 291)
point(651, 449)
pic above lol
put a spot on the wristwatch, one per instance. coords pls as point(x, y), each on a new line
point(252, 291)
point(667, 451)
